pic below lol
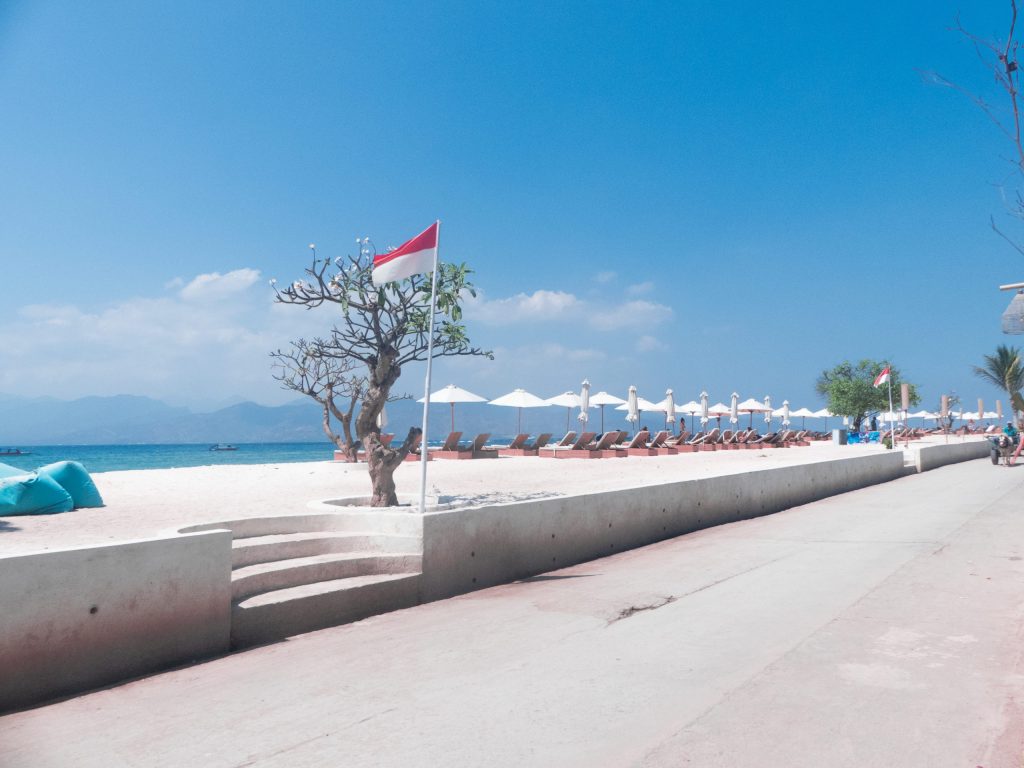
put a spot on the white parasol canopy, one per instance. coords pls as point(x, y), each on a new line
point(519, 398)
point(602, 399)
point(751, 406)
point(803, 413)
point(670, 407)
point(703, 408)
point(767, 411)
point(567, 400)
point(785, 413)
point(584, 417)
point(734, 409)
point(452, 395)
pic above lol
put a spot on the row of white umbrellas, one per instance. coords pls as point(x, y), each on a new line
point(633, 405)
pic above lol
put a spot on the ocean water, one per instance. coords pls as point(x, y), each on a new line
point(109, 458)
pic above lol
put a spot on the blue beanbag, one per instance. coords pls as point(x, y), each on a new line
point(32, 494)
point(74, 479)
point(6, 470)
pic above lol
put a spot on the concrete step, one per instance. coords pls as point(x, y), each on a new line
point(281, 574)
point(282, 613)
point(334, 518)
point(283, 546)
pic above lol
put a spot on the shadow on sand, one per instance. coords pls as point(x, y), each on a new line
point(6, 527)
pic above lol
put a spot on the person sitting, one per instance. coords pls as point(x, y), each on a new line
point(1010, 431)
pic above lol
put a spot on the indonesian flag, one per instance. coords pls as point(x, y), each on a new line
point(410, 258)
point(882, 378)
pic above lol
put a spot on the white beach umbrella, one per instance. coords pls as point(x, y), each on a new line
point(751, 406)
point(670, 408)
point(519, 399)
point(691, 408)
point(703, 409)
point(632, 407)
point(768, 411)
point(803, 413)
point(567, 400)
point(602, 399)
point(921, 415)
point(991, 415)
point(452, 395)
point(382, 418)
point(785, 413)
point(584, 417)
point(825, 414)
point(734, 410)
point(717, 411)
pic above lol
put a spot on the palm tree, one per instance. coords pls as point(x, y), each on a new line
point(1004, 370)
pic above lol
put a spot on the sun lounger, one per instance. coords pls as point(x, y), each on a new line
point(708, 442)
point(414, 450)
point(637, 446)
point(579, 446)
point(526, 449)
point(473, 450)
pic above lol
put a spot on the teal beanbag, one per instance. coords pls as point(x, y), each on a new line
point(6, 470)
point(74, 479)
point(32, 494)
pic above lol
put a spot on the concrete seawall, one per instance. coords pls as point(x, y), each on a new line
point(82, 618)
point(472, 548)
point(167, 601)
point(933, 456)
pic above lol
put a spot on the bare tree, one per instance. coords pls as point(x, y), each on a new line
point(1000, 58)
point(308, 369)
point(384, 328)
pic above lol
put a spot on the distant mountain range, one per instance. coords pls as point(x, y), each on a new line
point(132, 419)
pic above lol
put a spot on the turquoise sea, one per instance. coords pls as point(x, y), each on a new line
point(109, 458)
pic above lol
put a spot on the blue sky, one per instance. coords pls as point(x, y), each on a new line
point(687, 195)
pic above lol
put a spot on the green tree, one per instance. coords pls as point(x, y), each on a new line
point(382, 329)
point(1004, 371)
point(850, 391)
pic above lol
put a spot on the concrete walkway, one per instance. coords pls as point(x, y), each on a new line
point(881, 627)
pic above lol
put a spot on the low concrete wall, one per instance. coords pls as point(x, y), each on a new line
point(81, 618)
point(932, 456)
point(471, 548)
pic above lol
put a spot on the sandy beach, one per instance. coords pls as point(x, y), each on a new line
point(146, 503)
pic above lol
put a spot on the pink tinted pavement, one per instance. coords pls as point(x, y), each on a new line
point(879, 627)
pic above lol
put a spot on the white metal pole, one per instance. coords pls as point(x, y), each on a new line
point(430, 360)
point(892, 424)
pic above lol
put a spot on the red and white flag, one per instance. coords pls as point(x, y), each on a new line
point(410, 258)
point(881, 378)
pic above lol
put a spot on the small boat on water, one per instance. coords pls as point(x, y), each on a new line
point(14, 452)
point(223, 447)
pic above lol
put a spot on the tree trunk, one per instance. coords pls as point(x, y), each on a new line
point(381, 460)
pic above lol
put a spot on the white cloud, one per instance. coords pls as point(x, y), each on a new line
point(538, 306)
point(544, 306)
point(648, 344)
point(605, 277)
point(640, 288)
point(172, 346)
point(632, 314)
point(214, 285)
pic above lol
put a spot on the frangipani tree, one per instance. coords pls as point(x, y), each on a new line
point(382, 329)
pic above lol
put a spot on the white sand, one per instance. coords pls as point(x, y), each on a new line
point(146, 503)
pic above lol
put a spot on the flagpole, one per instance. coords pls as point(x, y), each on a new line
point(892, 425)
point(430, 359)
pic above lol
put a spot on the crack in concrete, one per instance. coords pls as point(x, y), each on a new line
point(625, 613)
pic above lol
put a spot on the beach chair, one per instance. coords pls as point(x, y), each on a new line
point(578, 446)
point(565, 442)
point(527, 450)
point(414, 450)
point(637, 446)
point(600, 448)
point(463, 451)
point(615, 449)
point(660, 444)
point(708, 442)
